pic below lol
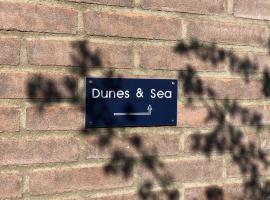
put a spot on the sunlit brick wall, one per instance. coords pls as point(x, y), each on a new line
point(44, 152)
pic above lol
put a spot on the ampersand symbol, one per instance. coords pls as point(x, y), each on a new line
point(139, 93)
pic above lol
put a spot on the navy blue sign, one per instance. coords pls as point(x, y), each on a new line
point(119, 102)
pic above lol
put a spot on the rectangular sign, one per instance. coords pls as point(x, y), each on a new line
point(122, 102)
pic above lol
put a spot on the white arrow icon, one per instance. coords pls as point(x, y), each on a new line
point(138, 113)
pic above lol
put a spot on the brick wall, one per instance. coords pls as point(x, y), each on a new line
point(218, 49)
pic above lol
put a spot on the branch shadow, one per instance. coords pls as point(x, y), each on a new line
point(44, 91)
point(226, 117)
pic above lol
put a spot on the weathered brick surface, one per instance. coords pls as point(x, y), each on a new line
point(136, 25)
point(9, 118)
point(252, 9)
point(15, 85)
point(155, 144)
point(10, 51)
point(54, 118)
point(260, 111)
point(202, 170)
point(128, 3)
point(267, 140)
point(198, 119)
point(228, 192)
point(38, 150)
point(245, 140)
point(37, 18)
point(69, 53)
point(225, 88)
point(45, 49)
point(64, 180)
point(237, 169)
point(251, 61)
point(229, 33)
point(116, 197)
point(164, 57)
point(189, 6)
point(10, 185)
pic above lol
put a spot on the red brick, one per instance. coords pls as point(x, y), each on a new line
point(65, 180)
point(233, 88)
point(10, 185)
point(38, 150)
point(54, 118)
point(202, 170)
point(37, 18)
point(9, 118)
point(267, 141)
point(116, 197)
point(68, 53)
point(10, 51)
point(136, 25)
point(156, 144)
point(264, 111)
point(189, 170)
point(235, 168)
point(192, 116)
point(127, 3)
point(21, 85)
point(164, 57)
point(247, 138)
point(190, 6)
point(229, 192)
point(229, 33)
point(250, 60)
point(252, 9)
point(260, 110)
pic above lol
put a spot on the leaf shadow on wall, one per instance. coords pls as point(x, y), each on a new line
point(44, 91)
point(226, 119)
point(224, 137)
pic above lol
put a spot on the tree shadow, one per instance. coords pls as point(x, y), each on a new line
point(43, 91)
point(227, 117)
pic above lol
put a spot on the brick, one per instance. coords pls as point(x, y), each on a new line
point(190, 6)
point(10, 185)
point(187, 171)
point(264, 111)
point(71, 179)
point(39, 150)
point(37, 18)
point(226, 88)
point(267, 141)
point(192, 116)
point(235, 168)
point(15, 85)
point(155, 144)
point(164, 57)
point(126, 3)
point(115, 197)
point(261, 110)
point(252, 9)
point(73, 53)
point(246, 139)
point(10, 51)
point(136, 25)
point(202, 170)
point(54, 118)
point(228, 192)
point(229, 33)
point(251, 61)
point(9, 118)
